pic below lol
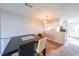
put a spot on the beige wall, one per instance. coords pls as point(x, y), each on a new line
point(56, 36)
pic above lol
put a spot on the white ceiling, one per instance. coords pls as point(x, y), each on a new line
point(40, 10)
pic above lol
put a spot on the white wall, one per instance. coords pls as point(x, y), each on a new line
point(0, 32)
point(52, 26)
point(13, 25)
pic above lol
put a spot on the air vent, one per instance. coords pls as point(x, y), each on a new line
point(28, 5)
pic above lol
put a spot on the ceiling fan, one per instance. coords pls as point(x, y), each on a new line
point(28, 5)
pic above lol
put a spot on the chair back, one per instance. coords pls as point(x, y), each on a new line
point(41, 45)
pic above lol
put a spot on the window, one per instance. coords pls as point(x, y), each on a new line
point(73, 33)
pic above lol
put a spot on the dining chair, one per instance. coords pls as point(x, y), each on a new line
point(41, 48)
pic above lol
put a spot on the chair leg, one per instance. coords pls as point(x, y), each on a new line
point(44, 52)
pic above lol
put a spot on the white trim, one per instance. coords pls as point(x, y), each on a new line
point(71, 20)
